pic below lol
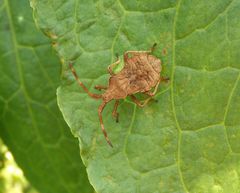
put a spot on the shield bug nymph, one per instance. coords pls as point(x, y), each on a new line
point(140, 74)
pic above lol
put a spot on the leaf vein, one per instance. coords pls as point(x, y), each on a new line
point(208, 24)
point(172, 100)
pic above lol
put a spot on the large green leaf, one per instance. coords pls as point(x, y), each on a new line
point(31, 124)
point(189, 140)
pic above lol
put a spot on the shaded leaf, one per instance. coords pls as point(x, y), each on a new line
point(31, 124)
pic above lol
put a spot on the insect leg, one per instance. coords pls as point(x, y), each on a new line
point(113, 65)
point(153, 47)
point(151, 94)
point(139, 103)
point(100, 87)
point(165, 79)
point(115, 114)
point(100, 109)
point(156, 88)
point(95, 96)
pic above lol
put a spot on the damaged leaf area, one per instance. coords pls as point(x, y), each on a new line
point(189, 140)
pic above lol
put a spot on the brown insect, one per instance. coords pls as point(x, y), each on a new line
point(140, 74)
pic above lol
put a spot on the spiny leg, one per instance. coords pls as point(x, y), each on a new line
point(115, 114)
point(100, 87)
point(153, 47)
point(151, 94)
point(142, 104)
point(148, 93)
point(100, 109)
point(113, 65)
point(95, 96)
point(139, 103)
point(165, 79)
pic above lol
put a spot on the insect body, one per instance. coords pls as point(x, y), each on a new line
point(140, 74)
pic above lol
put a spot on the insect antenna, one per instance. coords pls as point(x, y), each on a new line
point(100, 109)
point(95, 96)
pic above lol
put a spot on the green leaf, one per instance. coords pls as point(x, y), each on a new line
point(189, 140)
point(30, 121)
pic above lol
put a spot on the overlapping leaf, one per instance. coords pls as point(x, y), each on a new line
point(31, 124)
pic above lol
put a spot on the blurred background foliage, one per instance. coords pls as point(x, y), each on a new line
point(12, 179)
